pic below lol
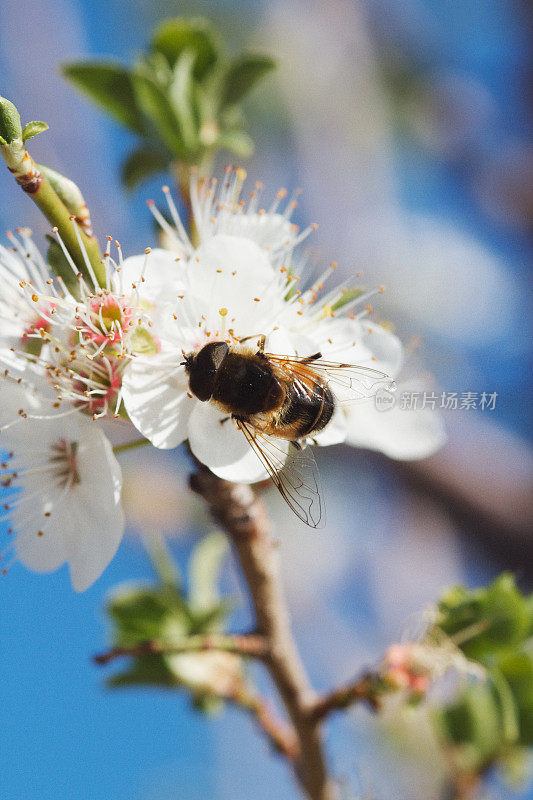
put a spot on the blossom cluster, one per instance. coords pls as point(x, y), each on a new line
point(75, 360)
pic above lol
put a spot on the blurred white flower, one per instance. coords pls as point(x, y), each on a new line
point(240, 283)
point(216, 672)
point(63, 487)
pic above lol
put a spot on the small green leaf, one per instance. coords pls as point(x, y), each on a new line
point(526, 724)
point(181, 98)
point(236, 142)
point(475, 720)
point(153, 101)
point(148, 671)
point(140, 614)
point(211, 619)
point(508, 709)
point(244, 72)
point(10, 126)
point(494, 617)
point(204, 570)
point(208, 704)
point(518, 670)
point(141, 164)
point(109, 85)
point(33, 129)
point(173, 36)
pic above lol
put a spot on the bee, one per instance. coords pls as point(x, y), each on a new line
point(280, 403)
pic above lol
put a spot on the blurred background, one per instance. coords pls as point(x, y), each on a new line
point(407, 124)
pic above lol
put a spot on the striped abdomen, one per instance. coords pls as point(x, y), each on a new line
point(304, 412)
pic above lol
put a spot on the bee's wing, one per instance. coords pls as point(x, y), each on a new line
point(295, 474)
point(346, 381)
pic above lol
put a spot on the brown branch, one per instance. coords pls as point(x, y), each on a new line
point(282, 736)
point(244, 519)
point(244, 645)
point(363, 689)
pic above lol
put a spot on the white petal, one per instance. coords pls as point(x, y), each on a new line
point(400, 434)
point(81, 523)
point(155, 397)
point(269, 231)
point(41, 553)
point(386, 348)
point(162, 274)
point(221, 447)
point(279, 342)
point(364, 344)
point(230, 272)
point(91, 519)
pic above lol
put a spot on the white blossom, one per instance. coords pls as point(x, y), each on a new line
point(62, 485)
point(79, 342)
point(242, 281)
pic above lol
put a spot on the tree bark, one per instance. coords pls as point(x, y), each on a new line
point(244, 518)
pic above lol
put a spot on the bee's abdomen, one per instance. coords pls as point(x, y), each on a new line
point(303, 415)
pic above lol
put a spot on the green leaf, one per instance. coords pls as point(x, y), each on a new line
point(208, 704)
point(32, 129)
point(518, 670)
point(154, 103)
point(492, 618)
point(508, 709)
point(526, 724)
point(141, 164)
point(10, 126)
point(173, 36)
point(475, 720)
point(148, 671)
point(244, 72)
point(109, 85)
point(212, 619)
point(204, 570)
point(237, 142)
point(181, 97)
point(140, 614)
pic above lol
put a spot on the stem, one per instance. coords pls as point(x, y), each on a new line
point(121, 448)
point(244, 519)
point(363, 688)
point(182, 176)
point(39, 189)
point(244, 645)
point(281, 736)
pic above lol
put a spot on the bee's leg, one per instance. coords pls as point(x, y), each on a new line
point(260, 341)
point(309, 359)
point(224, 419)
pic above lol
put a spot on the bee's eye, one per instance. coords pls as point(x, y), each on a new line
point(203, 367)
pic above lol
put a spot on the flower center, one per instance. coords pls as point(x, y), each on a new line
point(105, 322)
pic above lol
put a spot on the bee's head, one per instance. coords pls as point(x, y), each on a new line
point(202, 368)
